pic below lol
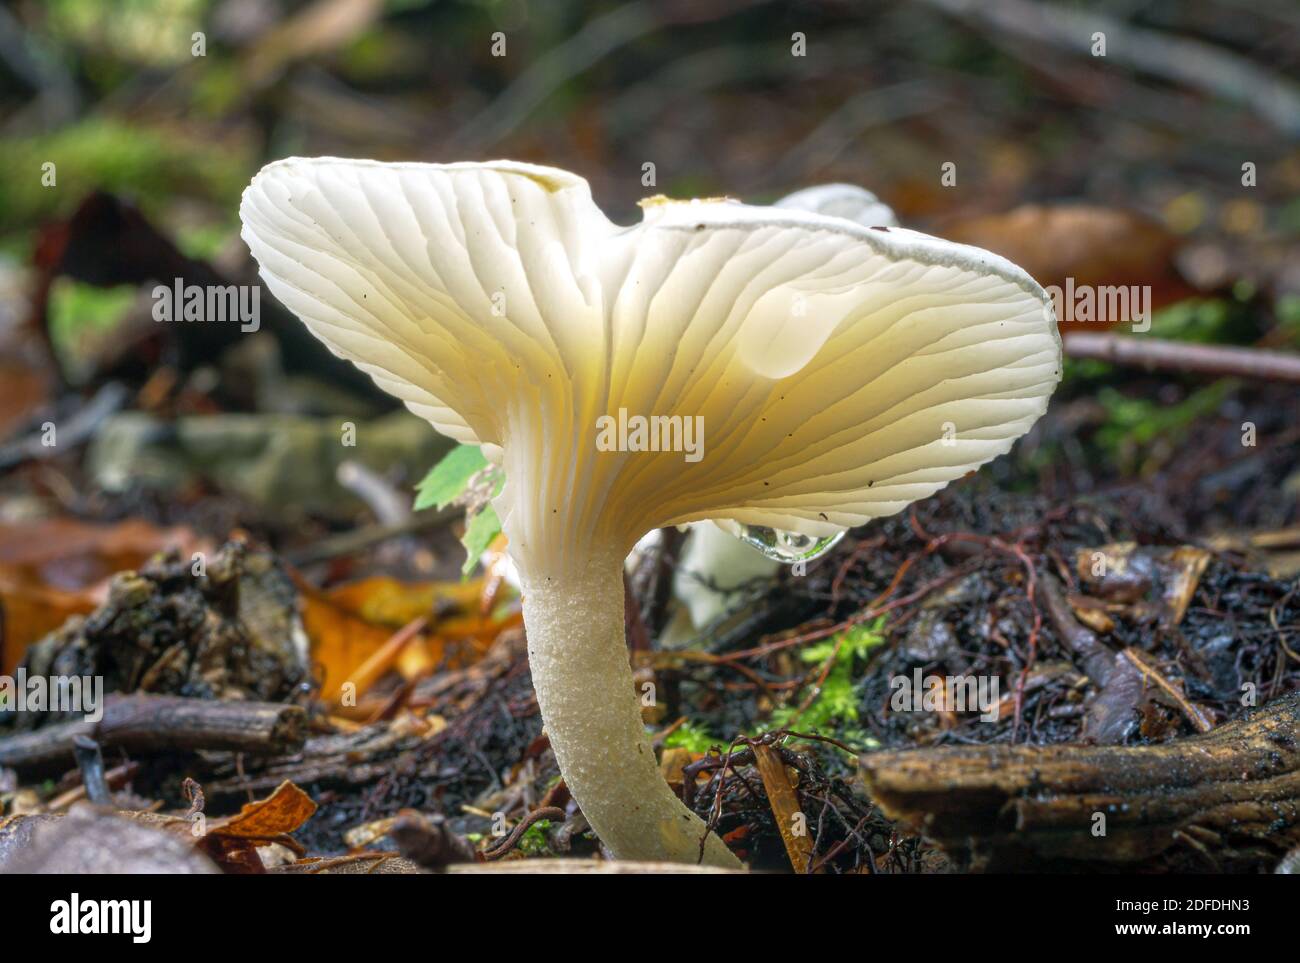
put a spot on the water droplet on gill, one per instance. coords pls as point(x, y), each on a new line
point(787, 547)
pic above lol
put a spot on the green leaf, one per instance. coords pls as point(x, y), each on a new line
point(447, 479)
point(480, 529)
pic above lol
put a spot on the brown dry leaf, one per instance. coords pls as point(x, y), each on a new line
point(382, 600)
point(784, 800)
point(363, 864)
point(1095, 246)
point(1143, 581)
point(284, 811)
point(30, 612)
point(350, 624)
point(52, 569)
point(1276, 552)
point(341, 642)
point(23, 390)
point(674, 762)
point(232, 841)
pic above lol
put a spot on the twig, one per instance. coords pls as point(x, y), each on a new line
point(380, 660)
point(77, 429)
point(91, 763)
point(1195, 715)
point(153, 723)
point(389, 505)
point(597, 39)
point(511, 841)
point(349, 543)
point(1155, 354)
point(1113, 713)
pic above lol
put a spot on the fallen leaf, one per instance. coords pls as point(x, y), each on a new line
point(52, 569)
point(1142, 581)
point(89, 841)
point(1093, 246)
point(784, 800)
point(23, 390)
point(350, 624)
point(284, 811)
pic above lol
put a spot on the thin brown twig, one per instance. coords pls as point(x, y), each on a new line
point(511, 841)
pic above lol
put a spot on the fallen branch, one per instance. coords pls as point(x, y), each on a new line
point(1227, 800)
point(1113, 714)
point(152, 723)
point(1155, 354)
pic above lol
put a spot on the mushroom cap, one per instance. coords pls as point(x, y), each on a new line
point(840, 371)
point(848, 201)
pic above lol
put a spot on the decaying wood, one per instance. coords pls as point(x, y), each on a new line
point(1226, 800)
point(151, 723)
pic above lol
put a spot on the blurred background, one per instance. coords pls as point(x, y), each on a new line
point(1126, 143)
point(1146, 143)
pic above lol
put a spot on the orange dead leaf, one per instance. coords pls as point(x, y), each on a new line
point(284, 811)
point(382, 600)
point(56, 568)
point(352, 629)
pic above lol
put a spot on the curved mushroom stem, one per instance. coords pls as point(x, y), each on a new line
point(578, 656)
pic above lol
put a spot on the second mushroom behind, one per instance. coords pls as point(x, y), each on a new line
point(768, 367)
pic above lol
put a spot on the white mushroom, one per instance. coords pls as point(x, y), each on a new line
point(712, 565)
point(840, 372)
point(848, 201)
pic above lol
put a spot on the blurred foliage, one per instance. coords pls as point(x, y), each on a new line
point(1134, 422)
point(112, 35)
point(154, 166)
point(77, 310)
point(692, 738)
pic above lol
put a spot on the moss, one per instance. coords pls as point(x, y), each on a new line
point(151, 165)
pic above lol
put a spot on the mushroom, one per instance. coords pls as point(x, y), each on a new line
point(713, 565)
point(840, 372)
point(842, 200)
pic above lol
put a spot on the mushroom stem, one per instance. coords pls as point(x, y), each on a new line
point(579, 661)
